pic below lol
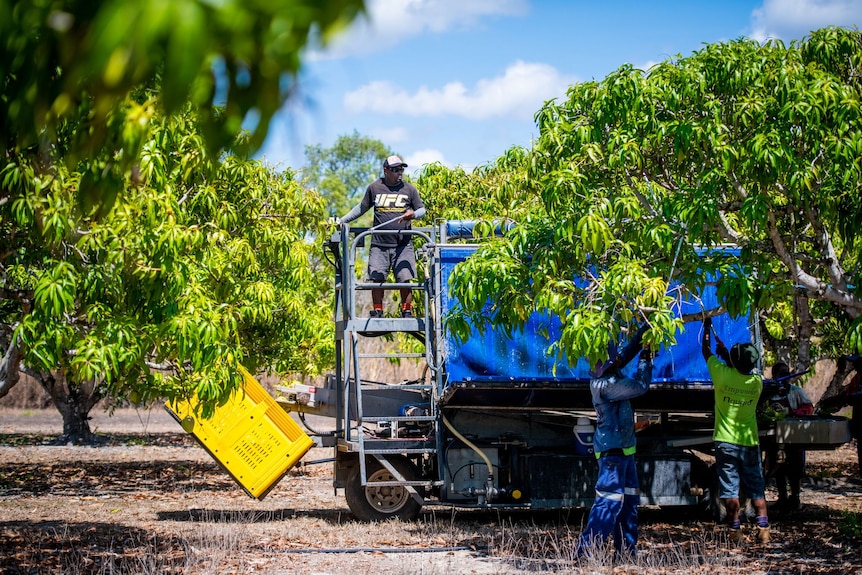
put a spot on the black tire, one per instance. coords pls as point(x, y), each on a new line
point(371, 503)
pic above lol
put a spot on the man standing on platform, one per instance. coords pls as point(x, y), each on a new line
point(395, 204)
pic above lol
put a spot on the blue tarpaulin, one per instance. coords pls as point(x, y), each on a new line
point(495, 357)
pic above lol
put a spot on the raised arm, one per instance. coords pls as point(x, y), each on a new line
point(616, 387)
point(631, 349)
point(720, 348)
point(706, 339)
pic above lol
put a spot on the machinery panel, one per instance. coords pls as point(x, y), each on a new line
point(813, 431)
point(569, 481)
point(467, 471)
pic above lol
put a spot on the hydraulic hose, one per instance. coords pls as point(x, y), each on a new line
point(312, 430)
point(469, 444)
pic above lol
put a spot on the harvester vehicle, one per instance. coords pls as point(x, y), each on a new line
point(498, 421)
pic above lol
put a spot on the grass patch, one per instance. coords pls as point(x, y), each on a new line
point(25, 439)
point(544, 548)
point(850, 524)
point(178, 439)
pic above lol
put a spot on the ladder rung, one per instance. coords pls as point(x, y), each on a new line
point(428, 484)
point(399, 451)
point(396, 386)
point(367, 286)
point(385, 325)
point(379, 418)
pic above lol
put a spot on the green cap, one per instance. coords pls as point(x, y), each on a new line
point(744, 356)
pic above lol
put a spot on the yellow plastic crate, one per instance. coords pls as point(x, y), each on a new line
point(251, 436)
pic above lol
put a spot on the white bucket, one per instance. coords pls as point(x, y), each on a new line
point(584, 436)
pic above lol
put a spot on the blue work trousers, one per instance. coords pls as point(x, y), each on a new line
point(615, 510)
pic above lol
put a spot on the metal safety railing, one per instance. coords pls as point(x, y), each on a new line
point(352, 329)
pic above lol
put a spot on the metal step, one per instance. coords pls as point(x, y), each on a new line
point(389, 286)
point(415, 450)
point(379, 418)
point(385, 324)
point(406, 386)
point(398, 386)
point(426, 484)
point(395, 445)
point(391, 446)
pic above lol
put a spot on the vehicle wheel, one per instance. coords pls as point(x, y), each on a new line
point(371, 503)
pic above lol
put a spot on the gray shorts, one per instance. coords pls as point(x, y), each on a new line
point(739, 467)
point(400, 259)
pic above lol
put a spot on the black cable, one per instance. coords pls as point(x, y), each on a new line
point(311, 429)
point(382, 549)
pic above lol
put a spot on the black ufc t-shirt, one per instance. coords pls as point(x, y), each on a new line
point(390, 203)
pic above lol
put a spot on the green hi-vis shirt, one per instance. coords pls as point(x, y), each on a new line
point(736, 398)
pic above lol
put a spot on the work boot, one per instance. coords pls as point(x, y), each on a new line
point(376, 313)
point(735, 536)
point(793, 503)
point(406, 313)
point(763, 535)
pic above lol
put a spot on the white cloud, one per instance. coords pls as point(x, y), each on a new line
point(646, 66)
point(419, 158)
point(793, 19)
point(391, 135)
point(519, 92)
point(390, 22)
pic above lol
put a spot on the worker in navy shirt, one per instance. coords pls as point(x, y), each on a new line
point(615, 510)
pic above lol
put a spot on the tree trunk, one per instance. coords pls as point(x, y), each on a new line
point(9, 365)
point(843, 369)
point(804, 330)
point(794, 348)
point(74, 402)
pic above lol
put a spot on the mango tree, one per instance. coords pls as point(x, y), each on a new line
point(341, 172)
point(499, 189)
point(90, 305)
point(755, 145)
point(203, 264)
point(235, 62)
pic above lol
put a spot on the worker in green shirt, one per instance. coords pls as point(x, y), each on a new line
point(737, 449)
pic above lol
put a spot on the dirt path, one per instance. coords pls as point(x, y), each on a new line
point(151, 501)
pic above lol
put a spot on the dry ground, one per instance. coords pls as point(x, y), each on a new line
point(151, 501)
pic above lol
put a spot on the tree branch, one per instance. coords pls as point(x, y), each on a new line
point(849, 303)
point(825, 247)
point(737, 186)
point(21, 295)
point(169, 366)
point(727, 232)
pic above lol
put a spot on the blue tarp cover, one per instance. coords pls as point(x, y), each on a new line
point(494, 357)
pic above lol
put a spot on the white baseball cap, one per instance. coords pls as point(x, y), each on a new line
point(393, 162)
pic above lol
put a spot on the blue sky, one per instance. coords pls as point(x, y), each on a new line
point(458, 81)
